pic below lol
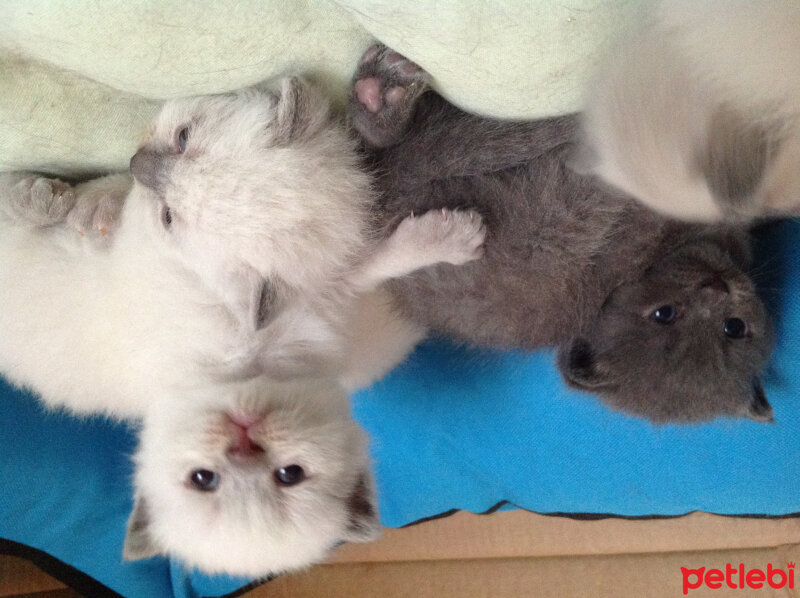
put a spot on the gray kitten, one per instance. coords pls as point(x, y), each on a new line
point(656, 317)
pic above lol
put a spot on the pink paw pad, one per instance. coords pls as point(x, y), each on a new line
point(395, 95)
point(368, 92)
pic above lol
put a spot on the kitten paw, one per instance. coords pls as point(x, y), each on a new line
point(93, 216)
point(99, 205)
point(452, 236)
point(42, 201)
point(385, 90)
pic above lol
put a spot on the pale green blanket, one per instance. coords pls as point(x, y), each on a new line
point(79, 79)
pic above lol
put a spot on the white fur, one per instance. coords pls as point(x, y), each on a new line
point(649, 110)
point(250, 524)
point(107, 307)
point(106, 326)
point(103, 329)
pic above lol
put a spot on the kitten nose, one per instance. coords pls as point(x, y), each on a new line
point(243, 446)
point(714, 290)
point(146, 168)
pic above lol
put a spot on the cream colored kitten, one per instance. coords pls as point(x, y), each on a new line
point(265, 478)
point(237, 260)
point(696, 111)
point(221, 264)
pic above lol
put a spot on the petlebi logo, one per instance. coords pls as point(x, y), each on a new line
point(738, 577)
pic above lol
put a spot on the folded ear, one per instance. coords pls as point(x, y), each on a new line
point(362, 506)
point(267, 299)
point(578, 365)
point(138, 541)
point(301, 110)
point(758, 408)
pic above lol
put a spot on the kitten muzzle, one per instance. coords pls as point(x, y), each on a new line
point(243, 447)
point(148, 168)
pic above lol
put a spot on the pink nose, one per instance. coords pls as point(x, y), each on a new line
point(242, 445)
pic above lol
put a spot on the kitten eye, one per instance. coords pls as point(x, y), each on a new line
point(183, 137)
point(204, 480)
point(735, 328)
point(665, 314)
point(166, 217)
point(290, 475)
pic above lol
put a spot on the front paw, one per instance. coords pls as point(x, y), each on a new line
point(451, 236)
point(99, 205)
point(385, 90)
point(42, 201)
point(92, 215)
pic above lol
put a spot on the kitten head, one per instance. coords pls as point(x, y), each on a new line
point(256, 478)
point(256, 186)
point(685, 342)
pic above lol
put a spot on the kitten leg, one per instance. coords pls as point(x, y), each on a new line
point(90, 207)
point(35, 201)
point(438, 236)
point(430, 137)
point(380, 339)
point(385, 89)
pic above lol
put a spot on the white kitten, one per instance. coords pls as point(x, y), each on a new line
point(696, 111)
point(243, 249)
point(266, 478)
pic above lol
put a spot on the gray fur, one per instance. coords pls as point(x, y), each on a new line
point(567, 262)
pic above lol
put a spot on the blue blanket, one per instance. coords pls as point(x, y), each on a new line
point(451, 429)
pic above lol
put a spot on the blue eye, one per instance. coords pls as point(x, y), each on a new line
point(735, 328)
point(204, 480)
point(183, 137)
point(290, 475)
point(665, 314)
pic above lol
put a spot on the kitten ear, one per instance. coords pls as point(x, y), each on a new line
point(578, 365)
point(362, 507)
point(138, 542)
point(266, 300)
point(301, 110)
point(758, 408)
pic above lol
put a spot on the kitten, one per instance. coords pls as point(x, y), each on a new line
point(656, 317)
point(241, 254)
point(241, 250)
point(267, 478)
point(696, 110)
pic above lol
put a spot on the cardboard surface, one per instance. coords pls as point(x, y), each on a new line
point(517, 554)
point(606, 576)
point(516, 534)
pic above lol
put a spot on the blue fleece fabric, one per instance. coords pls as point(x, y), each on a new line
point(451, 428)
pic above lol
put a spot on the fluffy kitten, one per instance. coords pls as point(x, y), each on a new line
point(223, 262)
point(240, 251)
point(267, 478)
point(696, 111)
point(656, 317)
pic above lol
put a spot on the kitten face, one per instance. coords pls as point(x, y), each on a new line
point(256, 184)
point(686, 342)
point(261, 478)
